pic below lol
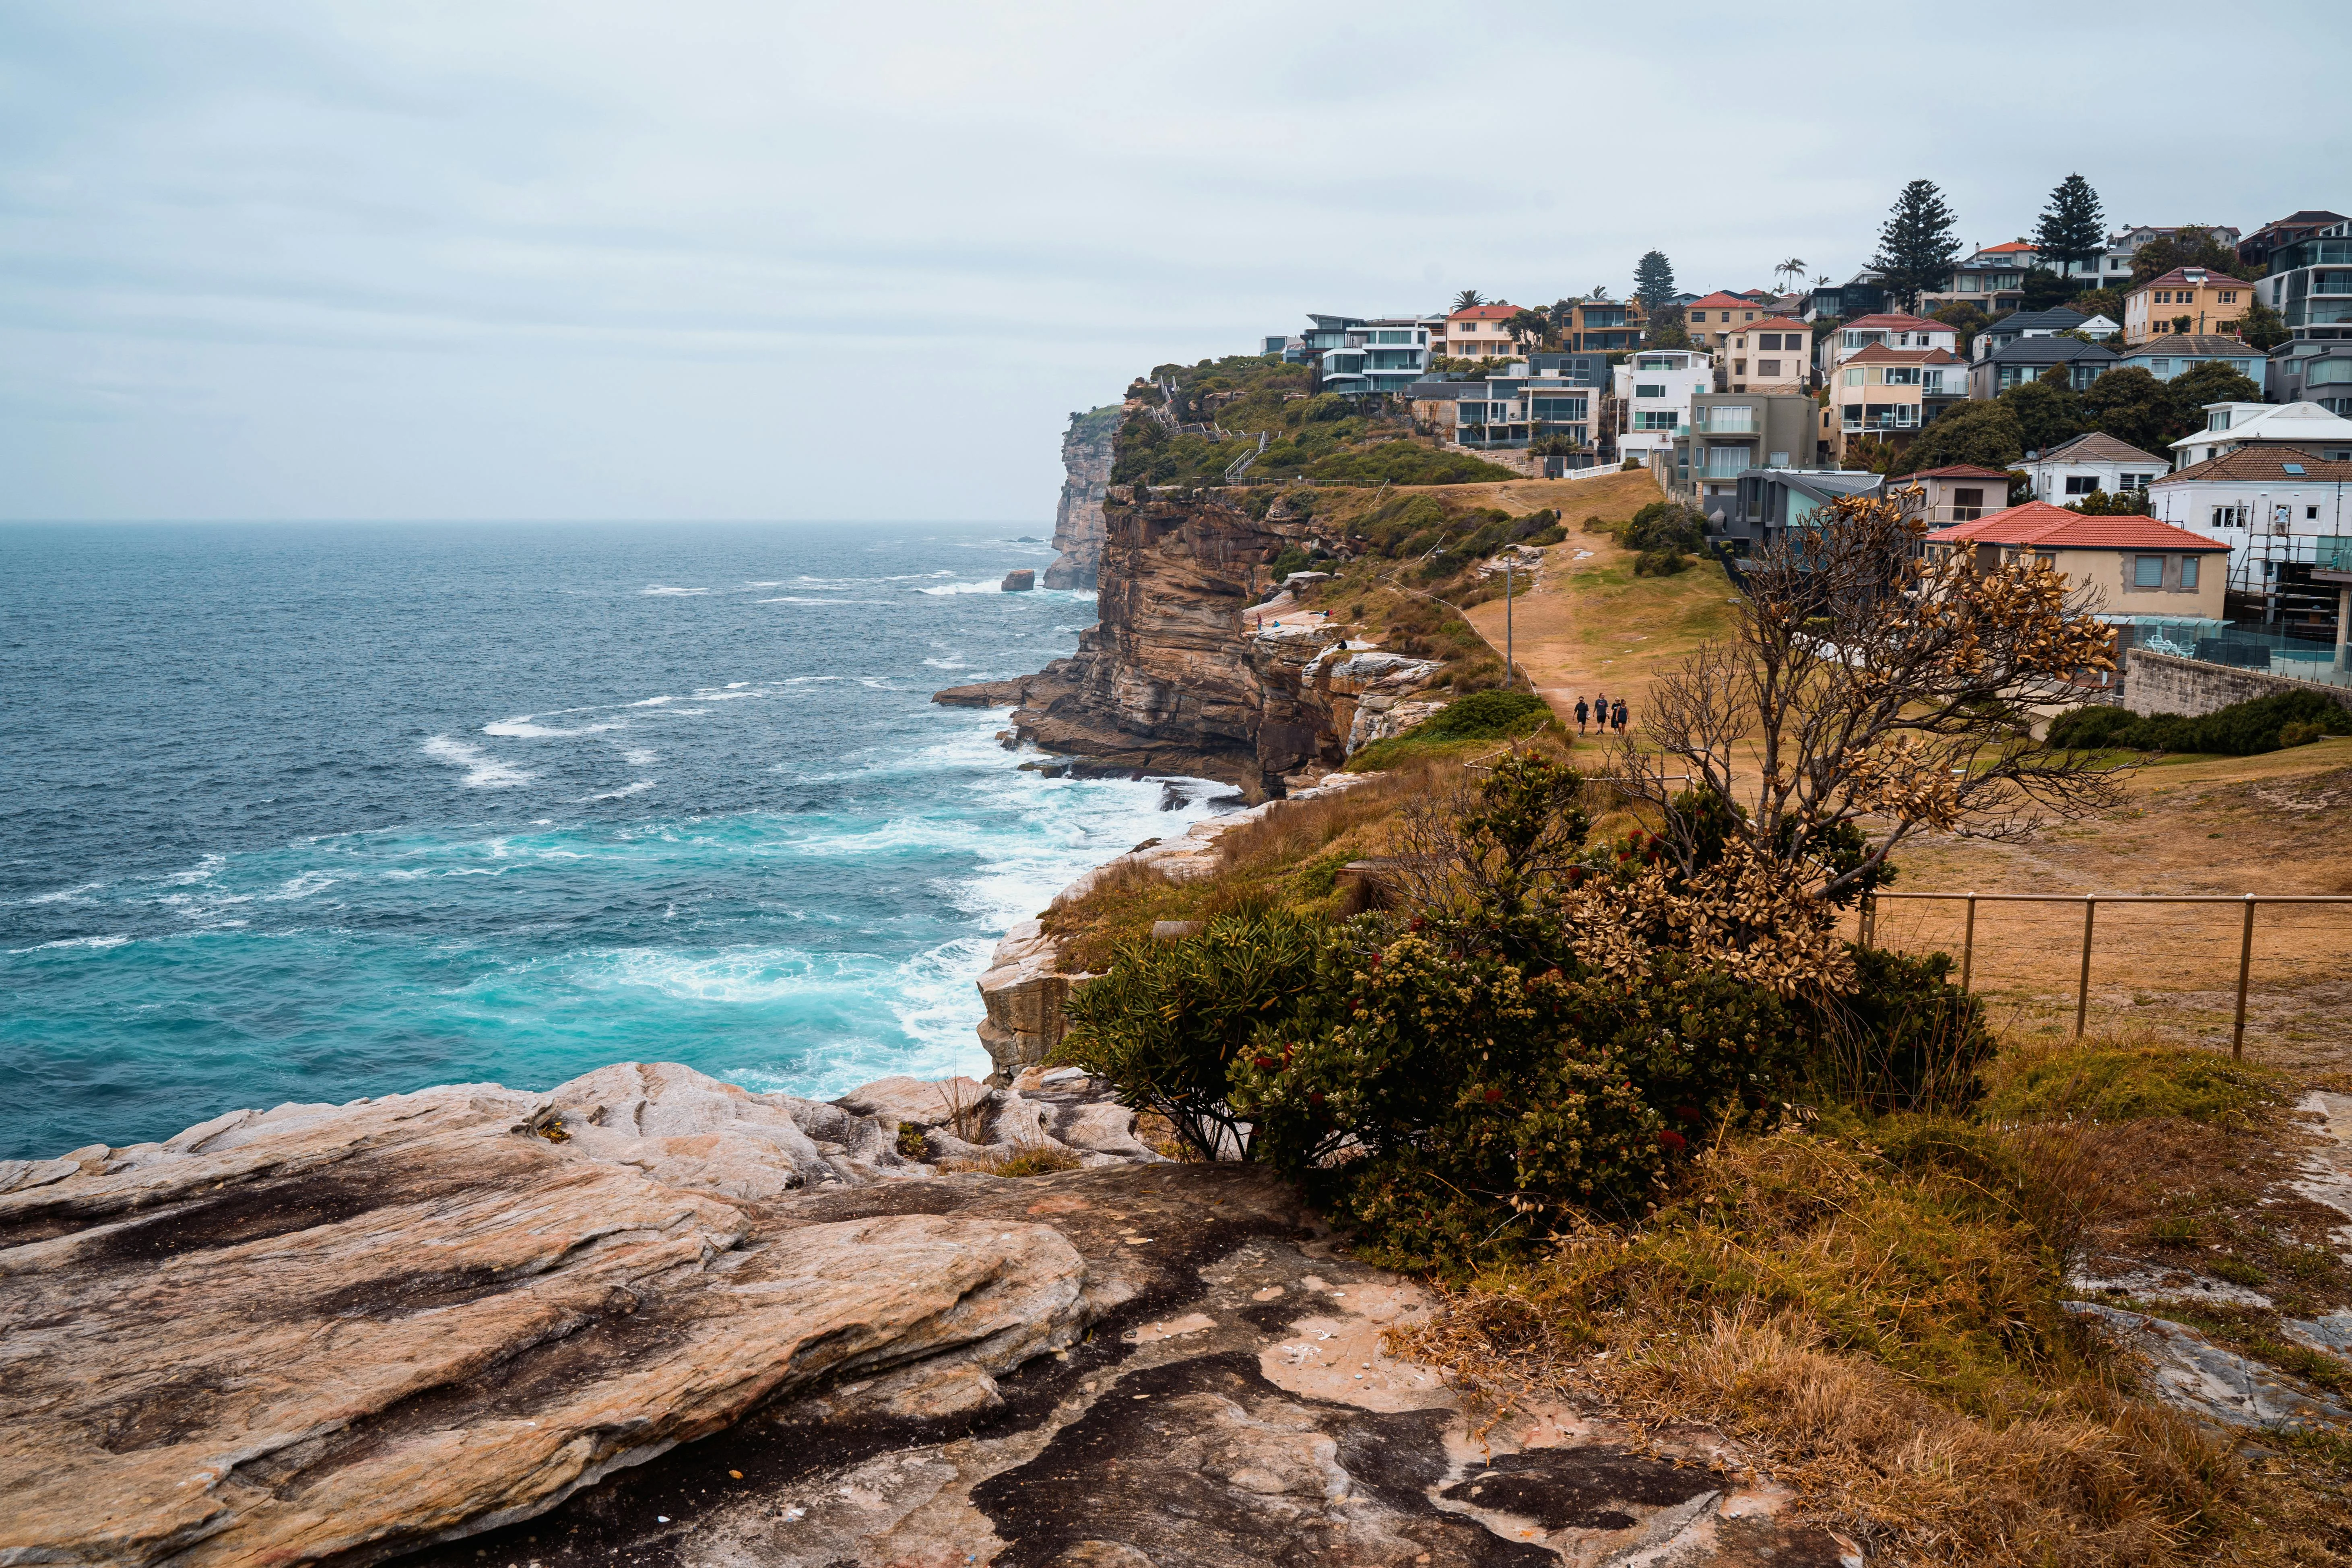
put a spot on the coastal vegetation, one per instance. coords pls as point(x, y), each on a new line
point(1219, 408)
point(1576, 1031)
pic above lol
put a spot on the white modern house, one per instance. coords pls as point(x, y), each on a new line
point(1654, 390)
point(2269, 503)
point(2074, 469)
point(2228, 427)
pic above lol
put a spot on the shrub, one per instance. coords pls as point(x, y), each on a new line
point(1168, 1020)
point(911, 1144)
point(2107, 1081)
point(1663, 562)
point(1907, 1040)
point(2242, 729)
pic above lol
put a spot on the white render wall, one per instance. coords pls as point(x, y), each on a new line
point(1681, 386)
point(2190, 504)
point(2050, 479)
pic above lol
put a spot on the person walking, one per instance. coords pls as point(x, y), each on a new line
point(1581, 709)
point(1617, 718)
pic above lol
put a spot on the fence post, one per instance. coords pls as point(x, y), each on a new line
point(2245, 964)
point(2083, 989)
point(1968, 945)
point(1869, 917)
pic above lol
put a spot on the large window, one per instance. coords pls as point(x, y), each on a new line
point(1561, 408)
point(2188, 572)
point(1655, 420)
point(2147, 571)
point(2229, 517)
point(1731, 420)
point(1768, 368)
point(1853, 377)
point(2080, 484)
point(1655, 388)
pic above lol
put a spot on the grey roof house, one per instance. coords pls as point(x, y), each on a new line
point(2175, 353)
point(2019, 325)
point(2028, 359)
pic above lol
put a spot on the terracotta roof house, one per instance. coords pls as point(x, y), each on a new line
point(1712, 317)
point(1894, 330)
point(1773, 354)
point(2135, 565)
point(1475, 333)
point(2073, 470)
point(2206, 300)
point(2230, 426)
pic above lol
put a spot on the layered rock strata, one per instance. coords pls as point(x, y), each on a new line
point(712, 1327)
point(1175, 679)
point(1079, 515)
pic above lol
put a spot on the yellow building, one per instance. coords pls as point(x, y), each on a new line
point(1476, 334)
point(2135, 565)
point(2208, 302)
point(1772, 353)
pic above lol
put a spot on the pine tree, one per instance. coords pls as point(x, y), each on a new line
point(1654, 281)
point(2073, 226)
point(1915, 249)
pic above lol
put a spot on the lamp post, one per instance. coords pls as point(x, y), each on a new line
point(1509, 664)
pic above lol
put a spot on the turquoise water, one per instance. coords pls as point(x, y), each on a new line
point(314, 812)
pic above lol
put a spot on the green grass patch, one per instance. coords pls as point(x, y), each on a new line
point(2128, 1083)
point(1481, 719)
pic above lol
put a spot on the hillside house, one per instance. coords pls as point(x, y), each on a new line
point(2185, 300)
point(1774, 354)
point(2073, 470)
point(1889, 393)
point(2305, 426)
point(2135, 566)
point(1954, 493)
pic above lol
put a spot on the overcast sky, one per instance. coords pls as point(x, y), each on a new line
point(701, 259)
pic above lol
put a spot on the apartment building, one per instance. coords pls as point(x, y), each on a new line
point(2310, 283)
point(2232, 427)
point(1356, 355)
point(1992, 280)
point(2185, 300)
point(1600, 326)
point(1772, 355)
point(1475, 333)
point(1714, 318)
point(1887, 395)
point(1894, 330)
point(1653, 391)
point(1732, 432)
point(2307, 371)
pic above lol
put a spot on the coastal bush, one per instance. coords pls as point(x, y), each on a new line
point(1485, 715)
point(2242, 729)
point(1662, 562)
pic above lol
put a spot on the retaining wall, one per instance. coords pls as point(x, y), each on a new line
point(2166, 683)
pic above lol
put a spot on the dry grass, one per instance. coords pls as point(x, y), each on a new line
point(1882, 1335)
point(1028, 1160)
point(1871, 1310)
point(2271, 824)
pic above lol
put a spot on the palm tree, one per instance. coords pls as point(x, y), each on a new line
point(1467, 299)
point(1793, 268)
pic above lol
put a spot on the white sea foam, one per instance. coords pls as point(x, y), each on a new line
point(482, 770)
point(640, 756)
point(623, 793)
point(663, 591)
point(524, 729)
point(992, 585)
point(92, 943)
point(66, 895)
point(302, 887)
point(204, 871)
point(653, 703)
point(947, 664)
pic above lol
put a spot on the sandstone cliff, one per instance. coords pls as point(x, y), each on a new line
point(1078, 519)
point(713, 1328)
point(1174, 679)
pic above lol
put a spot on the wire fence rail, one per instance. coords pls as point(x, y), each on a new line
point(2176, 961)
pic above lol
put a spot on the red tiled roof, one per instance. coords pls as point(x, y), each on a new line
point(2055, 528)
point(1495, 312)
point(1899, 322)
point(2008, 246)
point(2262, 462)
point(1879, 354)
point(1951, 471)
point(2178, 279)
point(1719, 300)
point(1770, 324)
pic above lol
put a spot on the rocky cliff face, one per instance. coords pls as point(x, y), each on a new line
point(712, 1327)
point(1175, 680)
point(1078, 519)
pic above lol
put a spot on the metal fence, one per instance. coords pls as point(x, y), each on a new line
point(2176, 963)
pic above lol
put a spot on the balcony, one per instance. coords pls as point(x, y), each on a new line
point(2331, 558)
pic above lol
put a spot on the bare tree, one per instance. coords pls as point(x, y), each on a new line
point(1867, 694)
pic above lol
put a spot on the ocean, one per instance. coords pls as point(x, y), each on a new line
point(312, 812)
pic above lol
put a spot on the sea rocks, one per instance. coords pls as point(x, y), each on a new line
point(1020, 581)
point(345, 1330)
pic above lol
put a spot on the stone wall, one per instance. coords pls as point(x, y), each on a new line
point(2166, 683)
point(1078, 518)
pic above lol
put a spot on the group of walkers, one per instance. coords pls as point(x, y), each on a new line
point(1601, 711)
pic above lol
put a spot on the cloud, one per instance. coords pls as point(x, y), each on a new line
point(587, 260)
